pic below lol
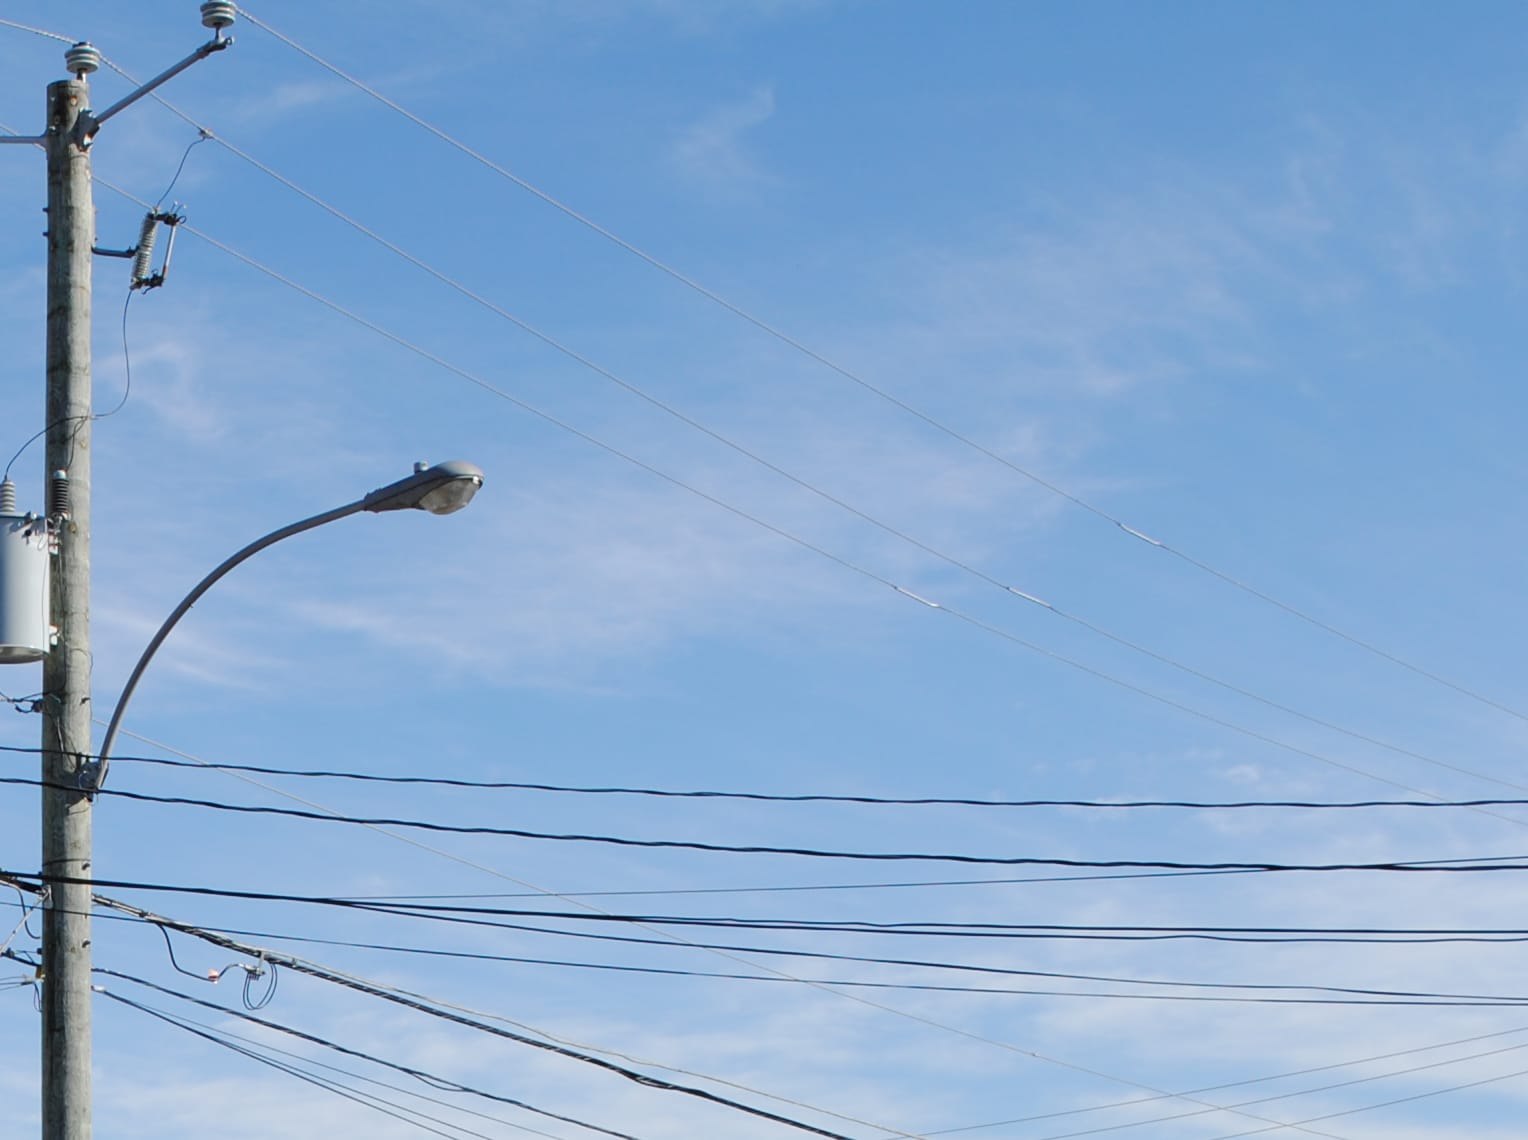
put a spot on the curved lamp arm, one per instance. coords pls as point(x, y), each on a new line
point(441, 489)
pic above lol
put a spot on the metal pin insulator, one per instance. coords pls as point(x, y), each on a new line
point(219, 14)
point(82, 59)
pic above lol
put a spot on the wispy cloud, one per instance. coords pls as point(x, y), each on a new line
point(714, 152)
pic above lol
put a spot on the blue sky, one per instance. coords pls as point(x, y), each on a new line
point(1242, 278)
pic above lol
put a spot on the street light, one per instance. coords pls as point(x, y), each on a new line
point(442, 490)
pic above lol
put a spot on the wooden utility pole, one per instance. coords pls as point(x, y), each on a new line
point(66, 807)
point(70, 774)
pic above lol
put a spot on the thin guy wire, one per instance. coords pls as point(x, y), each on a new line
point(367, 1100)
point(1373, 1107)
point(420, 1004)
point(1283, 1096)
point(1235, 1084)
point(865, 384)
point(314, 1062)
point(206, 133)
point(795, 539)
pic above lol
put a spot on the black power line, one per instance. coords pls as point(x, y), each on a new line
point(806, 797)
point(483, 916)
point(431, 1079)
point(1479, 864)
point(298, 965)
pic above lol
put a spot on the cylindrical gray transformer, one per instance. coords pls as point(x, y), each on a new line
point(24, 551)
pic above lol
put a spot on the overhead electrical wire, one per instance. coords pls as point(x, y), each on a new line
point(1476, 864)
point(414, 1001)
point(412, 1117)
point(205, 133)
point(1095, 1108)
point(1333, 995)
point(734, 954)
point(227, 943)
point(968, 619)
point(441, 1082)
point(882, 394)
point(1381, 1104)
point(400, 998)
point(479, 916)
point(137, 916)
point(224, 1037)
point(209, 1033)
point(804, 797)
point(1431, 1066)
point(369, 1100)
point(432, 1079)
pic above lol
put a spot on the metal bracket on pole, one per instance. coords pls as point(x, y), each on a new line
point(90, 122)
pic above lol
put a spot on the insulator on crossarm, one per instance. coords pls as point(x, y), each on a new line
point(144, 255)
point(58, 495)
point(82, 59)
point(218, 14)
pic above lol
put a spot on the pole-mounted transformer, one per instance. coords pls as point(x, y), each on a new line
point(26, 543)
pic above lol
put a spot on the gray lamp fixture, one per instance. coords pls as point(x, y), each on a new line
point(441, 489)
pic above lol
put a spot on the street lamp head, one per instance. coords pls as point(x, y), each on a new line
point(441, 489)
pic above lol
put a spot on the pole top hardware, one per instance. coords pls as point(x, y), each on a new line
point(82, 59)
point(219, 14)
